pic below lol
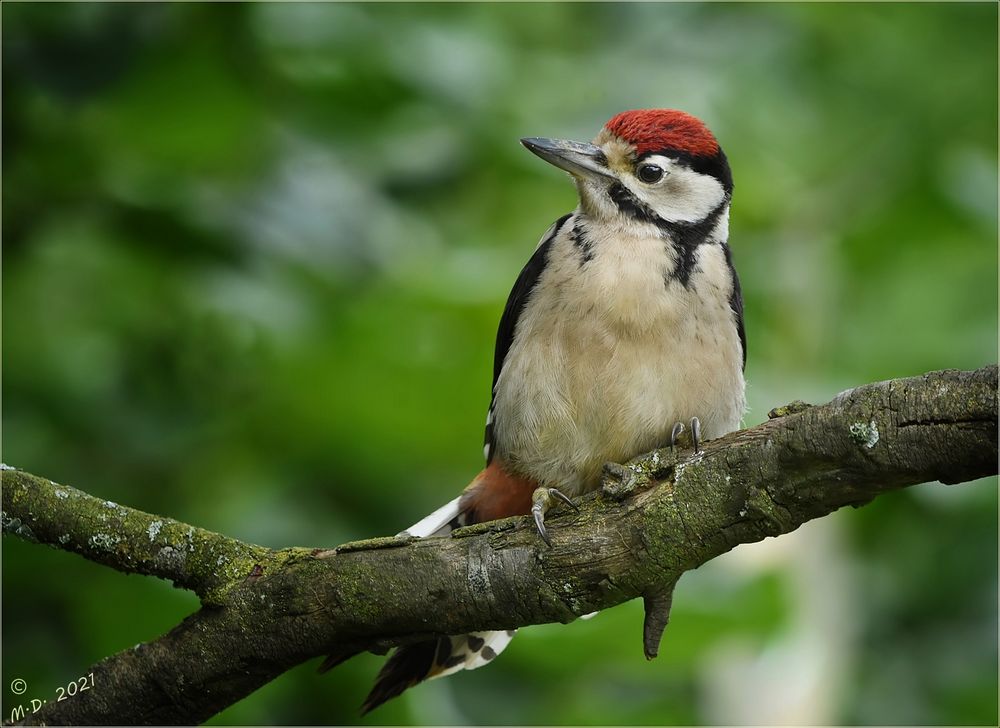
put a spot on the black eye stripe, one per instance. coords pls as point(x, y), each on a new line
point(717, 165)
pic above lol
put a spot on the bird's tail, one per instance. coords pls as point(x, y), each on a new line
point(412, 664)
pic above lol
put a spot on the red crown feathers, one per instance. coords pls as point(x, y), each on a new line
point(654, 130)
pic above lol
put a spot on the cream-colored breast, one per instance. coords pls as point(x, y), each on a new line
point(610, 352)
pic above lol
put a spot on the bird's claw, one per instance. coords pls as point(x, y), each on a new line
point(675, 433)
point(542, 501)
point(678, 429)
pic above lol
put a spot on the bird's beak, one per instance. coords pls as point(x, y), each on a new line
point(580, 160)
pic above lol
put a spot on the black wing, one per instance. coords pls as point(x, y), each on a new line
point(736, 303)
point(516, 302)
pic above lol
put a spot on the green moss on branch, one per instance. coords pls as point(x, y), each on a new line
point(127, 539)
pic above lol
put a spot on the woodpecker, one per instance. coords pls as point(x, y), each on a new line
point(626, 322)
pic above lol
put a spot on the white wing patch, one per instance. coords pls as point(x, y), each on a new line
point(489, 433)
point(439, 523)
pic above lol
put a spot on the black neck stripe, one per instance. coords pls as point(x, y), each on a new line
point(582, 242)
point(684, 237)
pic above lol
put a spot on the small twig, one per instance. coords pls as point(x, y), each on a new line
point(656, 604)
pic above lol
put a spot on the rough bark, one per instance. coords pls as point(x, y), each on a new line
point(265, 611)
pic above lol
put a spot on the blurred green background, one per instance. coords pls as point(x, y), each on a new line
point(253, 261)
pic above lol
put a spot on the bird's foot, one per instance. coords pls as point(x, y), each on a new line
point(695, 435)
point(542, 500)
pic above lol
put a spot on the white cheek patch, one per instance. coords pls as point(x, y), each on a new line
point(683, 196)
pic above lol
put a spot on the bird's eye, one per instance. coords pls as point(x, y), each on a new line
point(650, 173)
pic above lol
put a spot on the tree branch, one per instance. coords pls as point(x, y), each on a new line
point(126, 539)
point(654, 519)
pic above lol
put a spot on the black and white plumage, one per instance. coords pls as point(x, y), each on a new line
point(627, 319)
point(516, 301)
